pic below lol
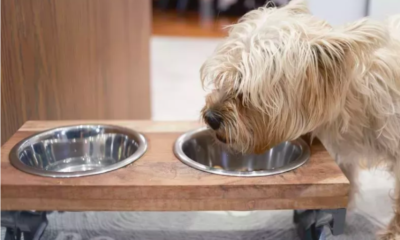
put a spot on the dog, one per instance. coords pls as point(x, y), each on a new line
point(282, 73)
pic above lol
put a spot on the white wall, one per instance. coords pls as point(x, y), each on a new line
point(380, 9)
point(338, 12)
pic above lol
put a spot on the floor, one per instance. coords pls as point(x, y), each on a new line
point(170, 23)
point(176, 90)
point(177, 95)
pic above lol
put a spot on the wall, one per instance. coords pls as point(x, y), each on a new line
point(380, 9)
point(338, 12)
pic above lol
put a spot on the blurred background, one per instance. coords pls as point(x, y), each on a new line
point(140, 59)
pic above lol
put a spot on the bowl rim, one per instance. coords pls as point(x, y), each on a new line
point(298, 162)
point(141, 150)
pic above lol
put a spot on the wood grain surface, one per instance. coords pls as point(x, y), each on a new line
point(74, 59)
point(160, 182)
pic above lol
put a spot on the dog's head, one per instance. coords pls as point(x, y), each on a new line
point(282, 73)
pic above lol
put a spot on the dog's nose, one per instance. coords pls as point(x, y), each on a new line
point(213, 120)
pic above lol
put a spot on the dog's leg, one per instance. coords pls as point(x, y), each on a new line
point(351, 171)
point(349, 164)
point(393, 230)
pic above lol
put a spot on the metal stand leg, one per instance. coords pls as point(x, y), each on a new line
point(338, 221)
point(28, 224)
point(311, 224)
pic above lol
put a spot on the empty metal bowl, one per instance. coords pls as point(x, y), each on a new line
point(199, 150)
point(76, 151)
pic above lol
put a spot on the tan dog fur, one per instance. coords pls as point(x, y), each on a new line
point(282, 73)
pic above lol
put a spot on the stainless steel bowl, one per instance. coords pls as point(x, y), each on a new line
point(199, 150)
point(76, 151)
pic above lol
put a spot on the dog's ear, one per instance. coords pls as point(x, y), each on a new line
point(297, 6)
point(360, 38)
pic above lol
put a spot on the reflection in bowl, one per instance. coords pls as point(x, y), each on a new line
point(78, 150)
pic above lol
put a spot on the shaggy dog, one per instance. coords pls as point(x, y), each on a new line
point(282, 73)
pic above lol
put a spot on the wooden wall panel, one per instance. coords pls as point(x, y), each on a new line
point(74, 59)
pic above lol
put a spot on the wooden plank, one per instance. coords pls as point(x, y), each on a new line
point(173, 205)
point(160, 177)
point(74, 59)
point(142, 126)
